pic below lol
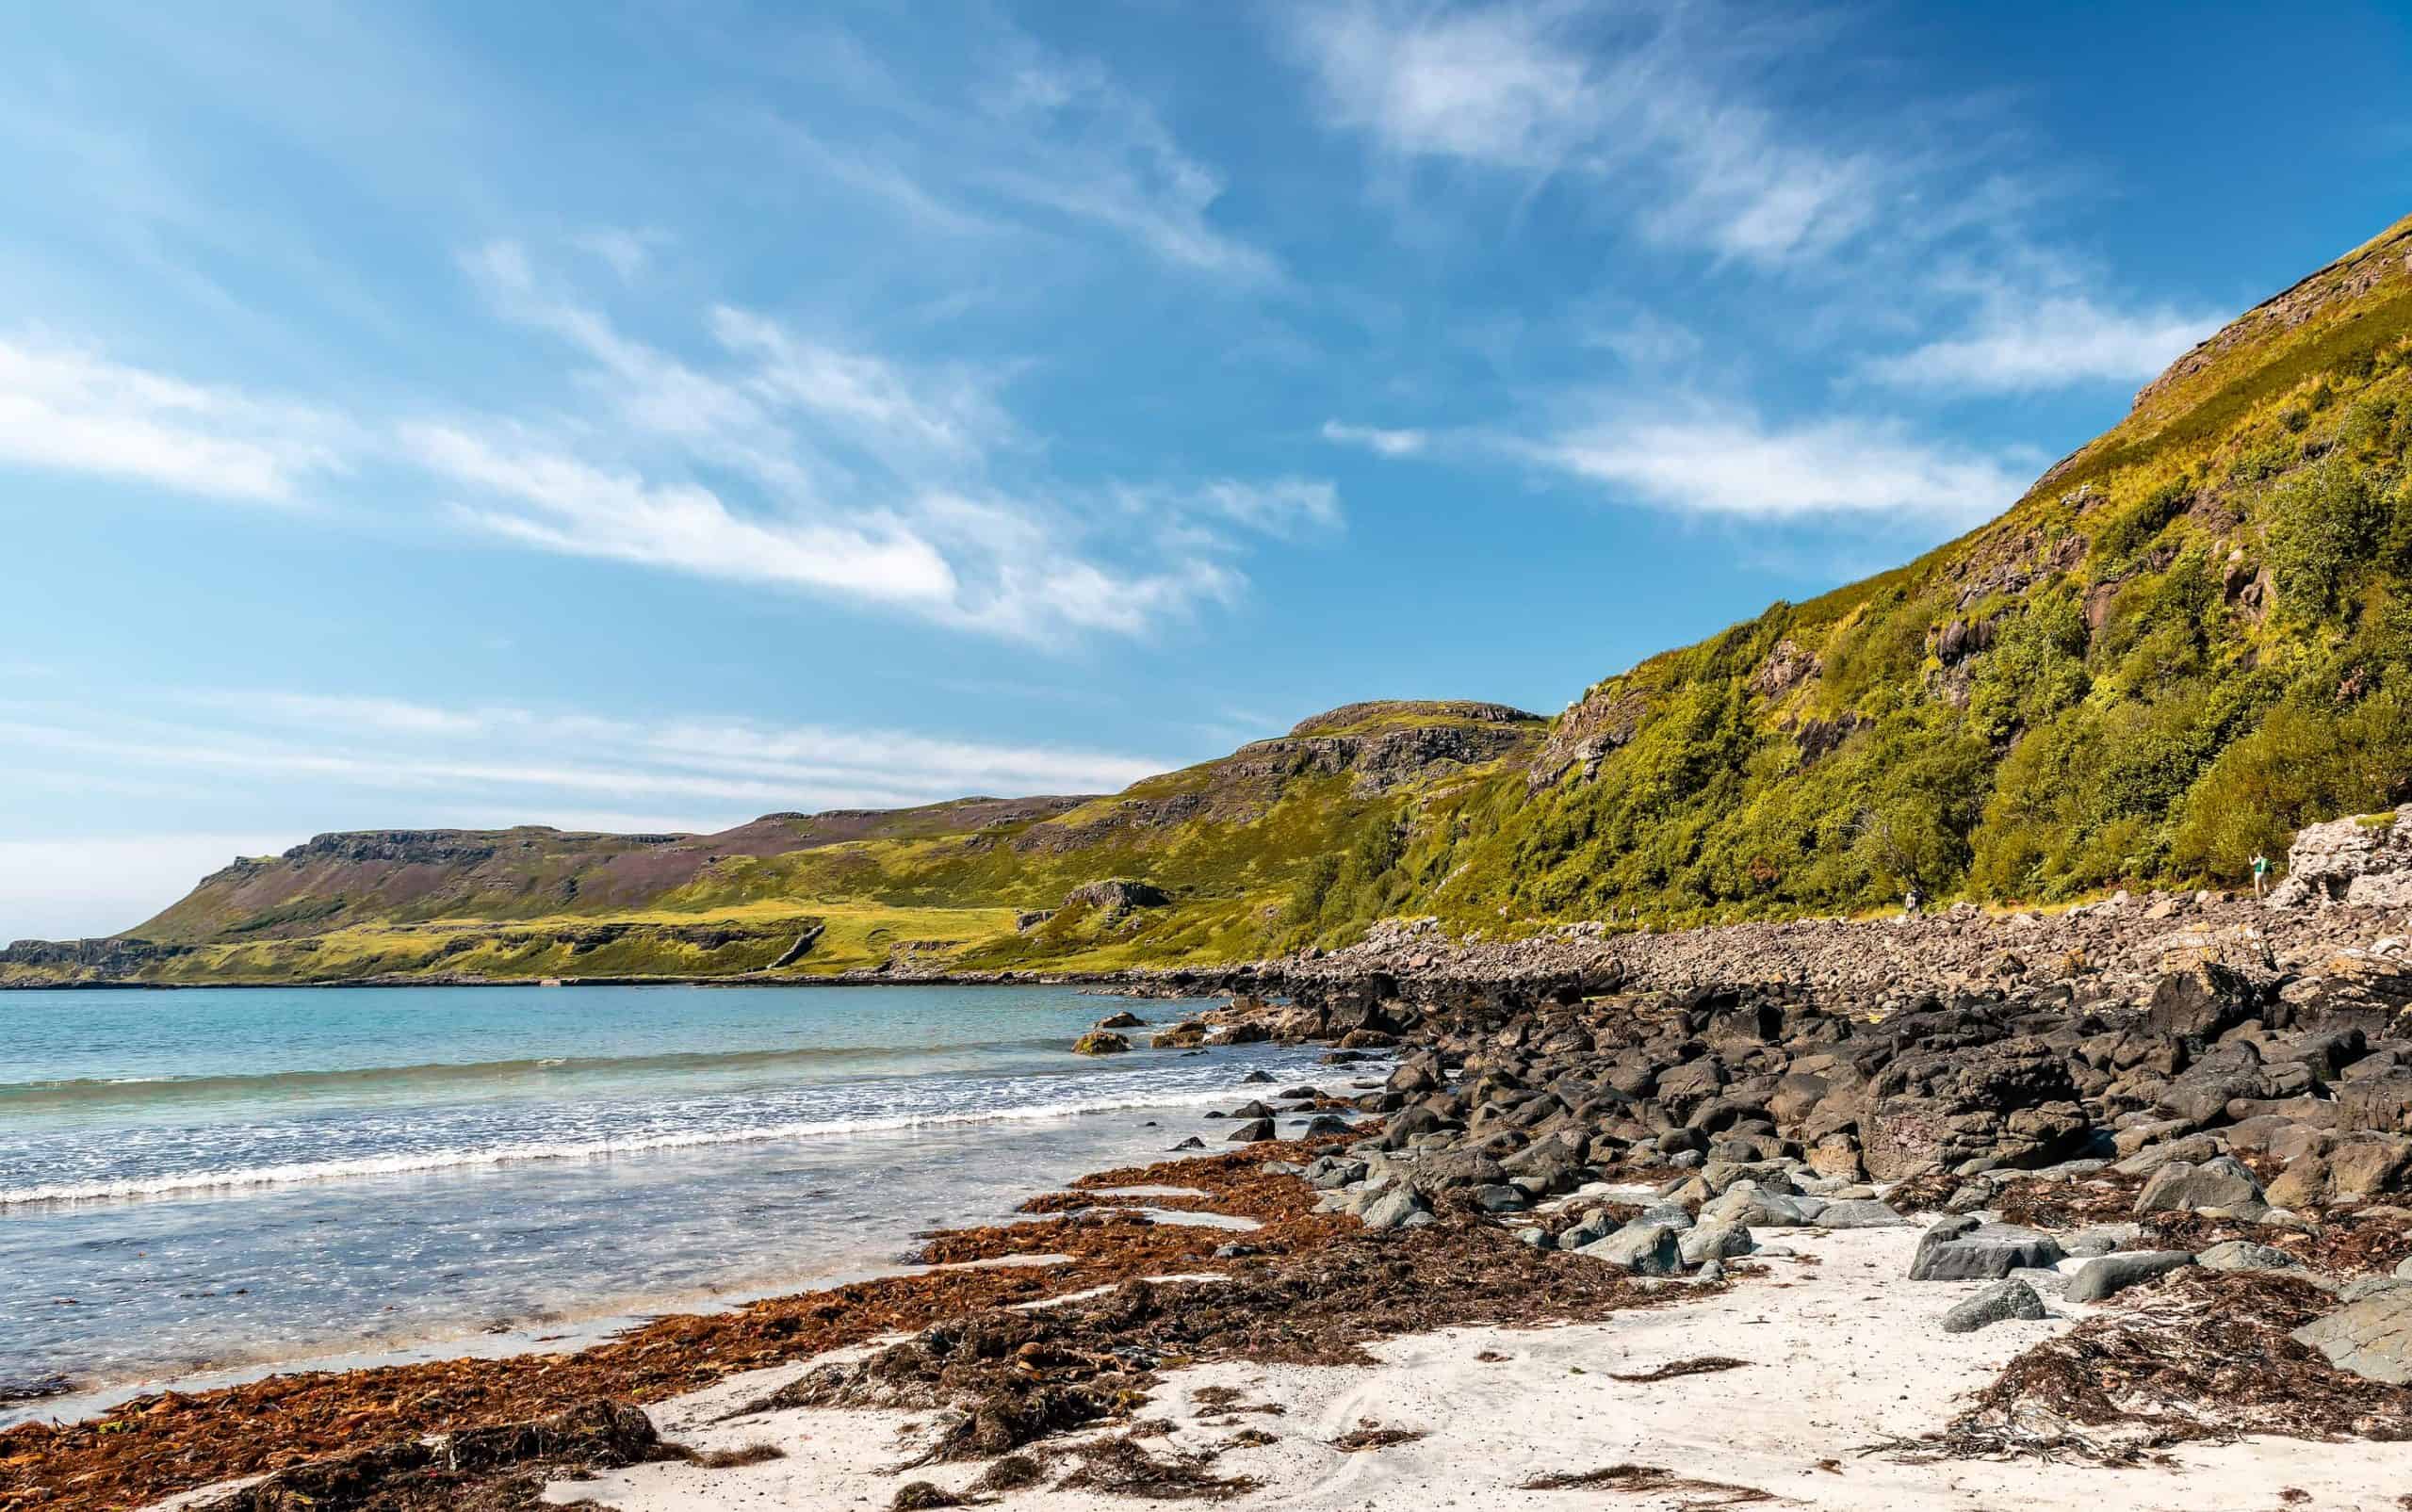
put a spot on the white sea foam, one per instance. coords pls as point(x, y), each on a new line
point(404, 1162)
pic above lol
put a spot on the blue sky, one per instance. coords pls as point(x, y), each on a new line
point(631, 415)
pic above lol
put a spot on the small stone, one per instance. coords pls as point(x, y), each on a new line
point(1997, 1303)
point(2101, 1239)
point(1500, 1199)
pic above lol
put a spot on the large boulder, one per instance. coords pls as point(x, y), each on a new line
point(2383, 1104)
point(1948, 1106)
point(1960, 1248)
point(1115, 896)
point(2370, 1166)
point(2110, 1274)
point(2354, 860)
point(2221, 1184)
point(1100, 1042)
point(2372, 1338)
point(1644, 1248)
point(2201, 1003)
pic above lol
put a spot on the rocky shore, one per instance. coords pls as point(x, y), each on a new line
point(2152, 1207)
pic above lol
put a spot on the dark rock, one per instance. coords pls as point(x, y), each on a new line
point(1963, 1249)
point(2202, 1002)
point(2113, 1274)
point(1255, 1132)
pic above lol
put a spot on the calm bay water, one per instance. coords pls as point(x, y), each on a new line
point(206, 1179)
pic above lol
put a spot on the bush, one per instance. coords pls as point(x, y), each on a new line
point(2320, 524)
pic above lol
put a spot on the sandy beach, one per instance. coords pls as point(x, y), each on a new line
point(1843, 1355)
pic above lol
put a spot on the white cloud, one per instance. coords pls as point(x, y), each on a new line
point(871, 479)
point(952, 413)
point(1645, 339)
point(65, 410)
point(1490, 87)
point(2048, 342)
point(1279, 507)
point(1744, 468)
point(547, 760)
point(567, 506)
point(1376, 439)
point(1635, 97)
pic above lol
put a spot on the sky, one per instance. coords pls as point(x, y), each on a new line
point(621, 416)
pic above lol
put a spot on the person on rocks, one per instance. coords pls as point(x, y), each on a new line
point(1913, 900)
point(2260, 873)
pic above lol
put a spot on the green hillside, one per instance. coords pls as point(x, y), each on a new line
point(980, 883)
point(2188, 639)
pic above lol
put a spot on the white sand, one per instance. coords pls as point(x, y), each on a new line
point(1847, 1352)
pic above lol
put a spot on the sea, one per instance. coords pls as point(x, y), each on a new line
point(209, 1184)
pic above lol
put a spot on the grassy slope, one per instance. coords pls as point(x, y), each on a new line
point(1229, 839)
point(2188, 639)
point(2196, 635)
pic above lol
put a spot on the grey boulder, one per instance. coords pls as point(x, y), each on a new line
point(1713, 1242)
point(1962, 1249)
point(1997, 1303)
point(2221, 1182)
point(1395, 1207)
point(1645, 1249)
point(2113, 1274)
point(2372, 1338)
point(2245, 1254)
point(1863, 1212)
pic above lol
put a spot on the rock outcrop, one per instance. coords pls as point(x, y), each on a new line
point(2364, 861)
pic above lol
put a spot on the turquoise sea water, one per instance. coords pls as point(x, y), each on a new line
point(206, 1178)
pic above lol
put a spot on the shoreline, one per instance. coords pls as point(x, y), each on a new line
point(1501, 1362)
point(2188, 1189)
point(2112, 942)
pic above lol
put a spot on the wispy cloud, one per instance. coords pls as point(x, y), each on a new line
point(545, 759)
point(2018, 343)
point(551, 500)
point(68, 409)
point(1376, 439)
point(1739, 466)
point(1094, 151)
point(1544, 89)
point(626, 251)
point(865, 479)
